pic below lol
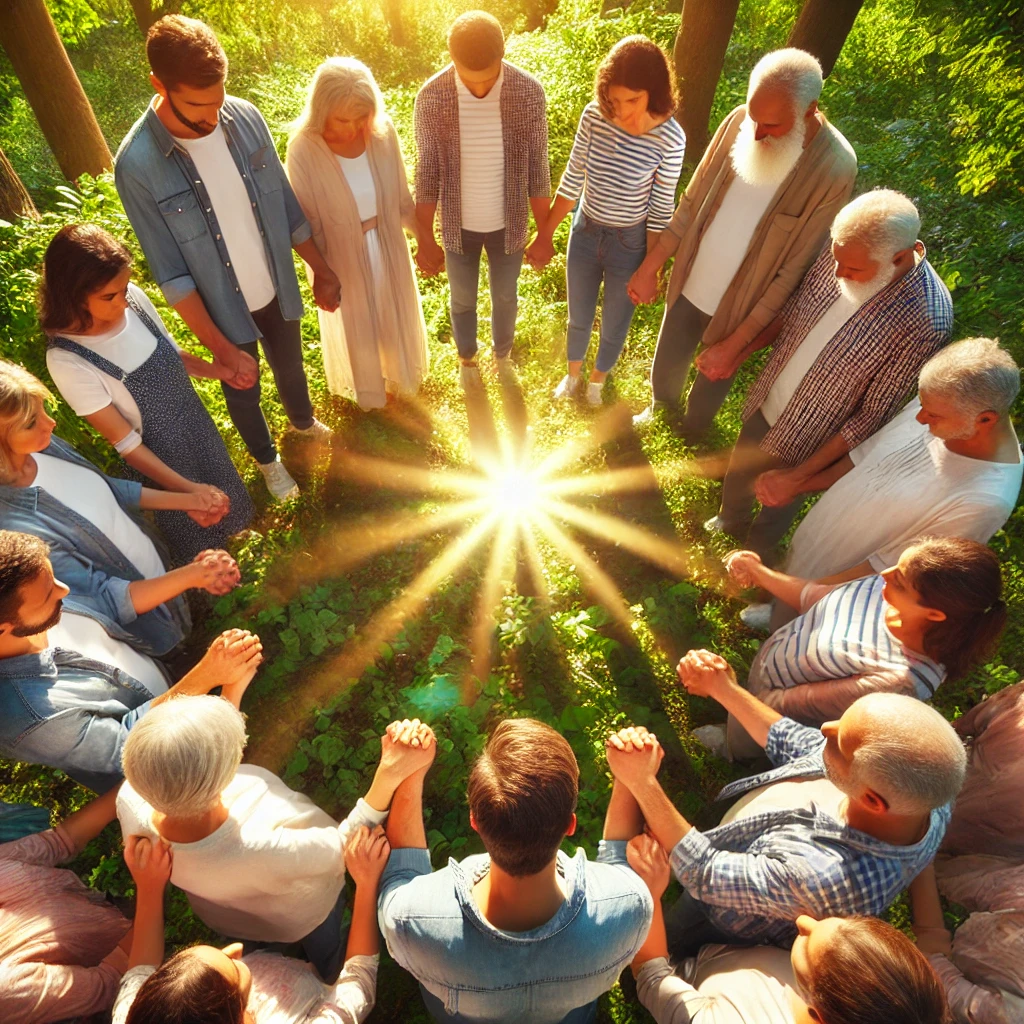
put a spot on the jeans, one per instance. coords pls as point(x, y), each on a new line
point(688, 929)
point(581, 1015)
point(464, 280)
point(599, 253)
point(282, 346)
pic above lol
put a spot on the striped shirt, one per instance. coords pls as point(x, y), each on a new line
point(624, 179)
point(481, 158)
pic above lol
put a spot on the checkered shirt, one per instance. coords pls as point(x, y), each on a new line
point(868, 368)
point(524, 131)
point(755, 876)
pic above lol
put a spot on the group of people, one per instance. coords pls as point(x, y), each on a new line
point(887, 591)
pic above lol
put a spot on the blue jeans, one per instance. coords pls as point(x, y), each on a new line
point(598, 253)
point(464, 279)
point(581, 1015)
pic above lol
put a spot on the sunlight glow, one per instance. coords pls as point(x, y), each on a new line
point(515, 490)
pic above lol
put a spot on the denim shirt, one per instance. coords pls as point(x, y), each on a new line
point(170, 209)
point(435, 930)
point(91, 564)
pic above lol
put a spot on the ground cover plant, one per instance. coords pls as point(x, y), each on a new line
point(372, 607)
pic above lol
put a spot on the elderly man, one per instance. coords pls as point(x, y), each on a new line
point(845, 820)
point(847, 349)
point(751, 222)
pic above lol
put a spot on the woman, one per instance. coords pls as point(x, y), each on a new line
point(345, 165)
point(219, 986)
point(623, 168)
point(113, 362)
point(61, 952)
point(856, 970)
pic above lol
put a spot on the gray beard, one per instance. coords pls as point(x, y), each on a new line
point(769, 161)
point(862, 291)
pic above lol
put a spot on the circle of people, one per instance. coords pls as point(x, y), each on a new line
point(888, 588)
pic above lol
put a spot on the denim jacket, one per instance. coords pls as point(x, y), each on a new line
point(436, 931)
point(91, 564)
point(170, 209)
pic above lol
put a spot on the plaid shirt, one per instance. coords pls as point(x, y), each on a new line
point(863, 374)
point(756, 875)
point(524, 130)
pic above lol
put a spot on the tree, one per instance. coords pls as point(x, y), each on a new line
point(52, 88)
point(699, 53)
point(14, 198)
point(822, 28)
point(147, 15)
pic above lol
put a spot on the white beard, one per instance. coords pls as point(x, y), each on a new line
point(769, 161)
point(861, 291)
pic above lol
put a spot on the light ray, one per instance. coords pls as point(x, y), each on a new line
point(482, 635)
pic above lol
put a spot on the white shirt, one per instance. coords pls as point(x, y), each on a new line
point(481, 158)
point(785, 796)
point(725, 241)
point(803, 358)
point(272, 871)
point(360, 180)
point(235, 216)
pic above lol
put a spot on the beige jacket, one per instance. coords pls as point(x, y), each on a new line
point(788, 237)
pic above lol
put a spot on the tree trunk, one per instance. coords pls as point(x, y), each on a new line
point(52, 88)
point(146, 15)
point(14, 198)
point(699, 52)
point(822, 28)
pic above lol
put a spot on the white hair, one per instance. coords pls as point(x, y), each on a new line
point(183, 753)
point(792, 70)
point(976, 374)
point(886, 221)
point(341, 83)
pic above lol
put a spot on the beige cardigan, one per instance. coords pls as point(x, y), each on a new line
point(788, 237)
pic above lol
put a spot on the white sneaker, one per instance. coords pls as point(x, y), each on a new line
point(714, 738)
point(757, 617)
point(594, 393)
point(715, 525)
point(645, 420)
point(317, 431)
point(469, 377)
point(567, 387)
point(279, 480)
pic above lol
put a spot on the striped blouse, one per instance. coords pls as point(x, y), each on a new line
point(624, 179)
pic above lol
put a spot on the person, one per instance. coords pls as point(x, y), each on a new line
point(113, 362)
point(220, 986)
point(854, 970)
point(203, 187)
point(482, 153)
point(752, 220)
point(846, 351)
point(99, 544)
point(520, 932)
point(257, 860)
point(621, 176)
point(63, 949)
point(70, 692)
point(845, 819)
point(345, 164)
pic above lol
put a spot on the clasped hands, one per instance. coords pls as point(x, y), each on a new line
point(216, 572)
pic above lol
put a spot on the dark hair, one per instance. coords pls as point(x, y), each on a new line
point(183, 51)
point(874, 974)
point(187, 990)
point(961, 578)
point(80, 259)
point(522, 794)
point(22, 558)
point(476, 41)
point(637, 62)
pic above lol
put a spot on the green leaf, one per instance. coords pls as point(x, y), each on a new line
point(297, 765)
point(441, 652)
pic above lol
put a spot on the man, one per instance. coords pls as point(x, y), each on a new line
point(482, 152)
point(521, 932)
point(843, 822)
point(71, 692)
point(204, 189)
point(751, 222)
point(846, 351)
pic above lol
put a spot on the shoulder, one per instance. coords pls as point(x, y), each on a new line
point(237, 107)
point(438, 88)
point(137, 148)
point(671, 133)
point(132, 981)
point(522, 81)
point(843, 156)
point(935, 296)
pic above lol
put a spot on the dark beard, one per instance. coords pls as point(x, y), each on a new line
point(22, 630)
point(198, 128)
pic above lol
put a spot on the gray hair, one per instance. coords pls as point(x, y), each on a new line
point(341, 82)
point(910, 755)
point(976, 374)
point(883, 219)
point(792, 70)
point(183, 753)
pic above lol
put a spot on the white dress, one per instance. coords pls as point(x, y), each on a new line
point(364, 192)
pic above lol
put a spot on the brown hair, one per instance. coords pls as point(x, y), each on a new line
point(18, 393)
point(476, 41)
point(876, 975)
point(522, 794)
point(22, 558)
point(183, 51)
point(80, 259)
point(961, 578)
point(187, 990)
point(637, 62)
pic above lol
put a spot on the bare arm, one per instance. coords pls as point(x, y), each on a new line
point(429, 255)
point(747, 569)
point(241, 369)
point(149, 862)
point(623, 819)
point(405, 822)
point(928, 922)
point(197, 367)
point(366, 855)
point(820, 471)
point(326, 287)
point(89, 821)
point(855, 572)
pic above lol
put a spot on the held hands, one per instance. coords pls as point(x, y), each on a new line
point(742, 567)
point(777, 487)
point(717, 362)
point(647, 857)
point(327, 290)
point(150, 862)
point(643, 286)
point(407, 747)
point(634, 755)
point(238, 371)
point(217, 572)
point(704, 674)
point(231, 662)
point(209, 504)
point(366, 856)
point(540, 251)
point(429, 256)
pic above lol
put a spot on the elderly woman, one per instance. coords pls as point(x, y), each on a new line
point(258, 861)
point(345, 165)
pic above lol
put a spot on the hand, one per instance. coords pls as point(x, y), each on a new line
point(231, 662)
point(217, 572)
point(149, 861)
point(429, 256)
point(327, 290)
point(540, 252)
point(634, 755)
point(934, 940)
point(704, 674)
point(777, 487)
point(717, 362)
point(366, 855)
point(407, 747)
point(643, 286)
point(742, 566)
point(647, 857)
point(238, 369)
point(209, 500)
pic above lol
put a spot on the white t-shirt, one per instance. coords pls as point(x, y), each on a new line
point(803, 358)
point(725, 241)
point(481, 158)
point(360, 180)
point(235, 216)
point(272, 871)
point(785, 796)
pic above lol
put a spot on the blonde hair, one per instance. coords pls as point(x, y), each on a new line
point(18, 392)
point(341, 82)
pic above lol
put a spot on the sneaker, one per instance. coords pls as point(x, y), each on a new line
point(567, 387)
point(279, 480)
point(317, 431)
point(646, 419)
point(757, 617)
point(506, 370)
point(716, 524)
point(594, 393)
point(469, 377)
point(713, 737)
